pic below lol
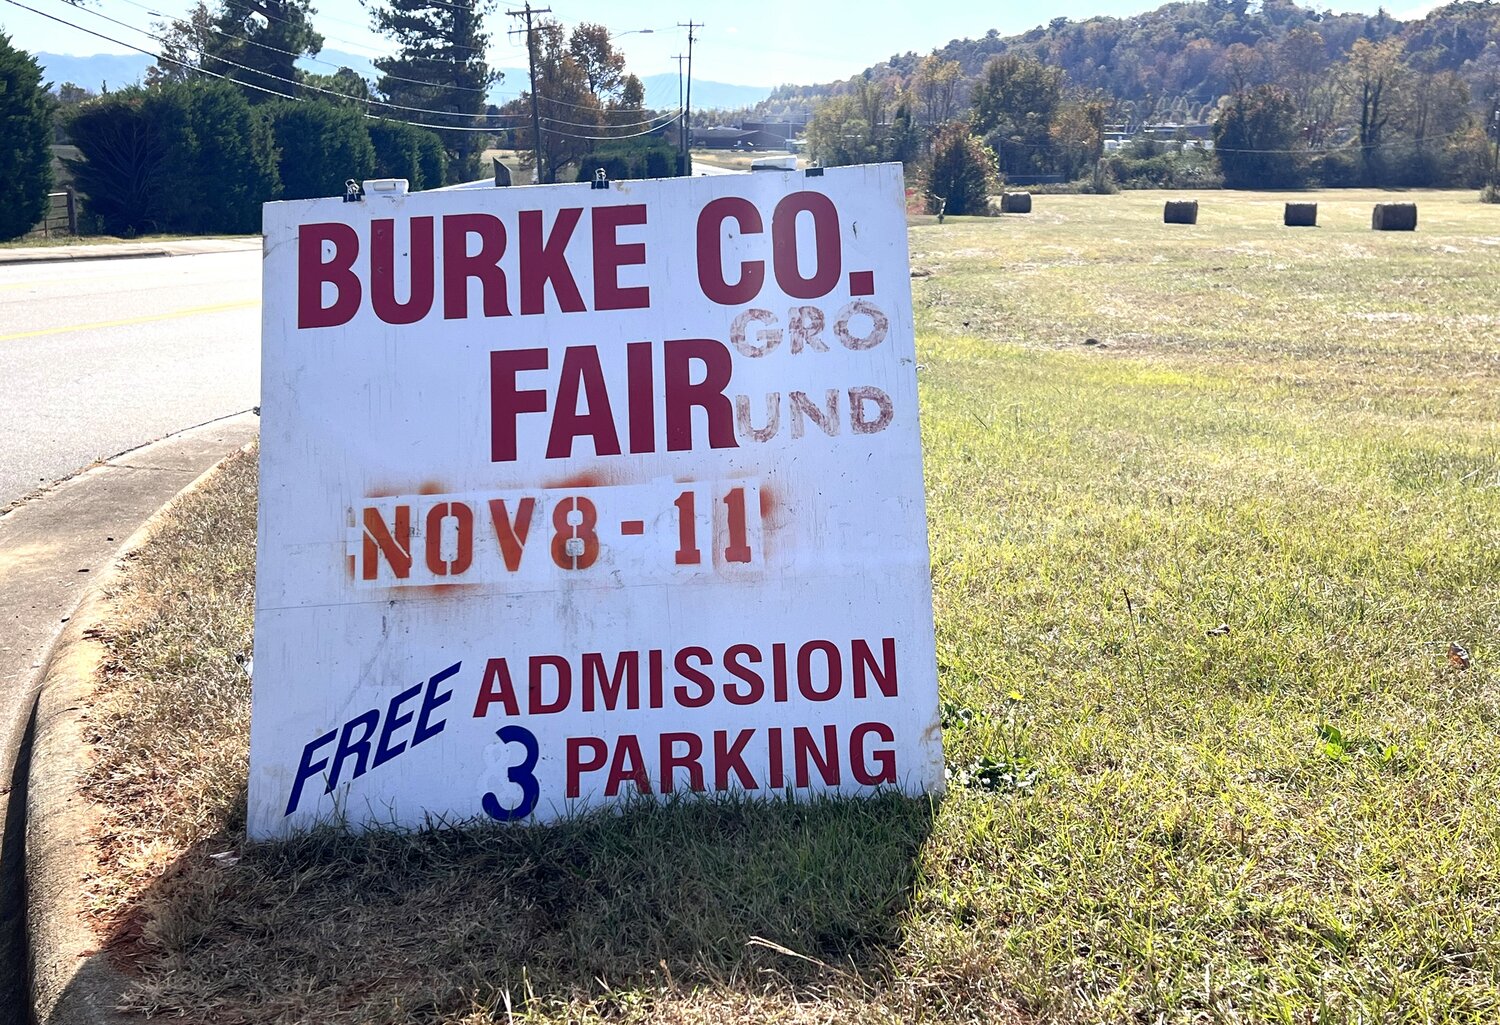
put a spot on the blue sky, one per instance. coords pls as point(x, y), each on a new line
point(766, 42)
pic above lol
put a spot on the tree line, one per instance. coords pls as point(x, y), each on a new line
point(227, 119)
point(1401, 105)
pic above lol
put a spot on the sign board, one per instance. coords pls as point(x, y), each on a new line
point(572, 494)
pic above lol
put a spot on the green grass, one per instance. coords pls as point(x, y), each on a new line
point(1195, 590)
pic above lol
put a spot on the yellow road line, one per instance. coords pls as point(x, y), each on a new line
point(193, 311)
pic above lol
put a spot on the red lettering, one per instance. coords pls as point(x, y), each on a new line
point(833, 680)
point(627, 766)
point(829, 257)
point(507, 402)
point(464, 556)
point(778, 671)
point(711, 251)
point(577, 766)
point(383, 271)
point(885, 760)
point(380, 540)
point(884, 672)
point(313, 273)
point(682, 394)
point(459, 266)
point(727, 758)
point(776, 778)
point(496, 687)
point(806, 754)
point(757, 684)
point(536, 705)
point(581, 366)
point(640, 384)
point(512, 535)
point(671, 761)
point(545, 260)
point(610, 255)
point(626, 678)
point(692, 674)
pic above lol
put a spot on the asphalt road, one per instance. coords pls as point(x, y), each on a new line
point(97, 357)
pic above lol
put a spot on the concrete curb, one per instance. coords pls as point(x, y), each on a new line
point(126, 250)
point(66, 257)
point(72, 980)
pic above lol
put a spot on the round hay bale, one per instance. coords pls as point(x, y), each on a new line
point(1181, 211)
point(1301, 215)
point(1394, 217)
point(1015, 203)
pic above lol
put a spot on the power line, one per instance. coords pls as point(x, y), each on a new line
point(377, 56)
point(289, 53)
point(636, 135)
point(286, 96)
point(233, 81)
point(294, 82)
point(650, 126)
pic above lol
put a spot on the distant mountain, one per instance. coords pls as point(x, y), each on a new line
point(117, 71)
point(112, 70)
point(661, 91)
point(1180, 54)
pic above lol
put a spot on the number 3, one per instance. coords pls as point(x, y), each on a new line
point(522, 775)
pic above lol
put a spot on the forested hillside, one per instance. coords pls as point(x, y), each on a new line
point(1191, 95)
point(1184, 56)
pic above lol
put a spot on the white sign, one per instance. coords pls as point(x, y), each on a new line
point(572, 494)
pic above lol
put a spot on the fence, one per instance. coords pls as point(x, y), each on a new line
point(61, 217)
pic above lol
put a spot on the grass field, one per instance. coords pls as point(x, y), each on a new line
point(1196, 586)
point(734, 161)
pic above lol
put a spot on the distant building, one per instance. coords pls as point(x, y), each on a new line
point(722, 137)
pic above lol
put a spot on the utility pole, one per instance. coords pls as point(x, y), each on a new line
point(682, 153)
point(1495, 130)
point(536, 117)
point(687, 107)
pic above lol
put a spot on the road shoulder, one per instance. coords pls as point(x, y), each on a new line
point(127, 250)
point(56, 554)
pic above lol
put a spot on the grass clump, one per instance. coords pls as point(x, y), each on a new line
point(1199, 587)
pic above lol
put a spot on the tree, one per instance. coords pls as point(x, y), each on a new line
point(405, 151)
point(1254, 137)
point(1369, 79)
point(935, 89)
point(837, 135)
point(1077, 135)
point(440, 66)
point(906, 138)
point(256, 42)
point(1301, 59)
point(232, 160)
point(603, 66)
point(962, 172)
point(1241, 67)
point(25, 137)
point(569, 109)
point(349, 85)
point(181, 156)
point(629, 107)
point(1014, 102)
point(319, 146)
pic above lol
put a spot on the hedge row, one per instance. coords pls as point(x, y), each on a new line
point(195, 157)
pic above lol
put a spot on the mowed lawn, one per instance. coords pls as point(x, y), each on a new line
point(1217, 603)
